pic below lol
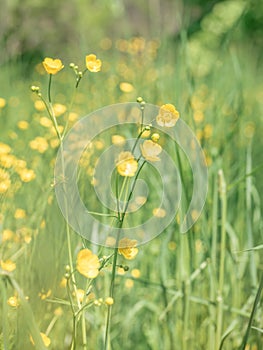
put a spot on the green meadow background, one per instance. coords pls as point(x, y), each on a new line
point(197, 291)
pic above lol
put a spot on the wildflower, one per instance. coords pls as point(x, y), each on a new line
point(126, 164)
point(168, 116)
point(52, 66)
point(27, 175)
point(127, 248)
point(92, 63)
point(159, 212)
point(118, 140)
point(23, 124)
point(20, 213)
point(7, 235)
point(136, 273)
point(45, 338)
point(109, 301)
point(2, 102)
point(4, 148)
point(150, 150)
point(59, 109)
point(13, 301)
point(88, 263)
point(126, 87)
point(39, 144)
point(8, 265)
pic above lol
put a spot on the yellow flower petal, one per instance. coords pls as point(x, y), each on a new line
point(92, 63)
point(88, 263)
point(126, 164)
point(150, 150)
point(8, 265)
point(52, 66)
point(127, 248)
point(168, 116)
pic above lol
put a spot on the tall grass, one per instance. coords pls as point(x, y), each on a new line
point(194, 291)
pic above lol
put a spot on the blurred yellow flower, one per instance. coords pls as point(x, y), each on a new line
point(150, 150)
point(43, 295)
point(168, 115)
point(159, 212)
point(59, 109)
point(27, 175)
point(20, 213)
point(109, 301)
point(7, 160)
point(127, 248)
point(118, 140)
point(39, 144)
point(4, 181)
point(2, 102)
point(88, 263)
point(13, 301)
point(7, 235)
point(52, 66)
point(8, 265)
point(45, 338)
point(136, 273)
point(39, 106)
point(126, 164)
point(23, 124)
point(92, 63)
point(4, 148)
point(126, 87)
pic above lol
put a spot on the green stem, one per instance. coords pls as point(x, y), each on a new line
point(49, 88)
point(223, 198)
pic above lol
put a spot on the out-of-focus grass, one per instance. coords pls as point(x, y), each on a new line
point(172, 302)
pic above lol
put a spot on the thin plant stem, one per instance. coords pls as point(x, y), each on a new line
point(223, 199)
point(49, 88)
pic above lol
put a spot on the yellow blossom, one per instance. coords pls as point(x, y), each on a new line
point(88, 263)
point(136, 273)
point(109, 301)
point(150, 150)
point(13, 301)
point(168, 116)
point(4, 148)
point(127, 248)
point(59, 109)
point(126, 87)
point(159, 212)
point(7, 235)
point(45, 338)
point(92, 63)
point(2, 102)
point(20, 213)
point(52, 66)
point(39, 106)
point(8, 265)
point(23, 124)
point(7, 160)
point(126, 164)
point(39, 144)
point(27, 175)
point(118, 140)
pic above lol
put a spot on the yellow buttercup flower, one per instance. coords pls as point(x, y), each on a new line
point(168, 115)
point(126, 164)
point(13, 301)
point(52, 66)
point(150, 150)
point(92, 63)
point(88, 263)
point(127, 248)
point(8, 265)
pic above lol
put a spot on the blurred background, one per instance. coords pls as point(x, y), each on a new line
point(71, 28)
